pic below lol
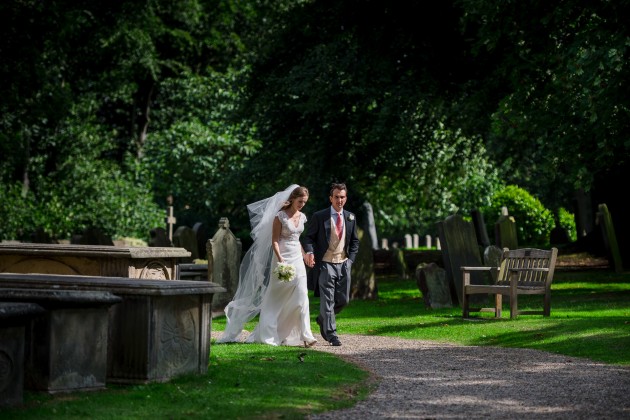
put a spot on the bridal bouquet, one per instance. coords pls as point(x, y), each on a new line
point(284, 271)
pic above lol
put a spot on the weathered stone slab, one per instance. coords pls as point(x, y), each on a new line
point(198, 272)
point(91, 260)
point(13, 320)
point(480, 228)
point(505, 231)
point(159, 238)
point(364, 285)
point(184, 237)
point(67, 346)
point(224, 262)
point(161, 328)
point(604, 219)
point(434, 286)
point(202, 236)
point(459, 248)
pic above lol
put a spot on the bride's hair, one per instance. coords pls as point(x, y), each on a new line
point(296, 193)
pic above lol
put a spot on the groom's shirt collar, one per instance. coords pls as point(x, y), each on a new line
point(333, 212)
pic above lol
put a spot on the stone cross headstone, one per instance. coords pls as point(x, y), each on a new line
point(408, 241)
point(460, 248)
point(416, 240)
point(505, 231)
point(224, 260)
point(480, 228)
point(170, 222)
point(435, 289)
point(604, 219)
point(170, 218)
point(363, 284)
point(184, 237)
point(427, 241)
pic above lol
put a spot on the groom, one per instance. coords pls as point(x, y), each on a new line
point(331, 244)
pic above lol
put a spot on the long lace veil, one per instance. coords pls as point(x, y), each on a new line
point(255, 267)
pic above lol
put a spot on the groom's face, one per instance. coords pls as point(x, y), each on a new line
point(338, 199)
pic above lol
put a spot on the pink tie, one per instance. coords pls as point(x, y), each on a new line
point(339, 225)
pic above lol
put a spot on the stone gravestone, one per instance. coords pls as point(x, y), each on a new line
point(492, 256)
point(370, 224)
point(363, 280)
point(460, 248)
point(14, 320)
point(427, 241)
point(434, 286)
point(224, 260)
point(505, 231)
point(398, 263)
point(202, 235)
point(184, 237)
point(158, 238)
point(40, 236)
point(604, 219)
point(408, 241)
point(92, 236)
point(480, 228)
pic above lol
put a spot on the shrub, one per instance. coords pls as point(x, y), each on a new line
point(533, 221)
point(566, 220)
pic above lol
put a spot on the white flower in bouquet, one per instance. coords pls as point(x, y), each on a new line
point(284, 271)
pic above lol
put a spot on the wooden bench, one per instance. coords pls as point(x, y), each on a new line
point(525, 271)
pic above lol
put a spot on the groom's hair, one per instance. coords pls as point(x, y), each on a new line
point(338, 186)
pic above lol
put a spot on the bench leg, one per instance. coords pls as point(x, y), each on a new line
point(465, 309)
point(547, 303)
point(513, 300)
point(498, 305)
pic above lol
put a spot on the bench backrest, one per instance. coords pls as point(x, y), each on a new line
point(528, 258)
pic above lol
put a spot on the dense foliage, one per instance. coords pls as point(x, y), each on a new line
point(106, 109)
point(533, 221)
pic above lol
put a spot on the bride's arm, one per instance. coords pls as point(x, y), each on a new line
point(275, 237)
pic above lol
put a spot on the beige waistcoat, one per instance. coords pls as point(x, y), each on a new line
point(335, 252)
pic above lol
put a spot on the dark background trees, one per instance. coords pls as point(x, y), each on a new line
point(424, 110)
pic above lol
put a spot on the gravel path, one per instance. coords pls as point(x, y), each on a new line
point(427, 380)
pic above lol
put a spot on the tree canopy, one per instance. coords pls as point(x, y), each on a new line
point(423, 109)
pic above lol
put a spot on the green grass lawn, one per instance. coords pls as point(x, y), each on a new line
point(590, 317)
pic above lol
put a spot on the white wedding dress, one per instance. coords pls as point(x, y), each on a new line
point(284, 313)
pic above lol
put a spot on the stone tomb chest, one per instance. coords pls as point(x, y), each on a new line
point(161, 329)
point(92, 260)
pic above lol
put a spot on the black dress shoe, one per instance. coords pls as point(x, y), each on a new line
point(335, 342)
point(321, 329)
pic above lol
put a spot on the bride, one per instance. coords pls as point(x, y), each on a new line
point(277, 223)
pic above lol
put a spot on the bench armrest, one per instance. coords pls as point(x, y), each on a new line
point(467, 270)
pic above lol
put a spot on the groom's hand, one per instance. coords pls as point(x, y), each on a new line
point(309, 260)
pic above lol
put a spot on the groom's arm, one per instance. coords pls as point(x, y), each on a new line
point(353, 248)
point(311, 234)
